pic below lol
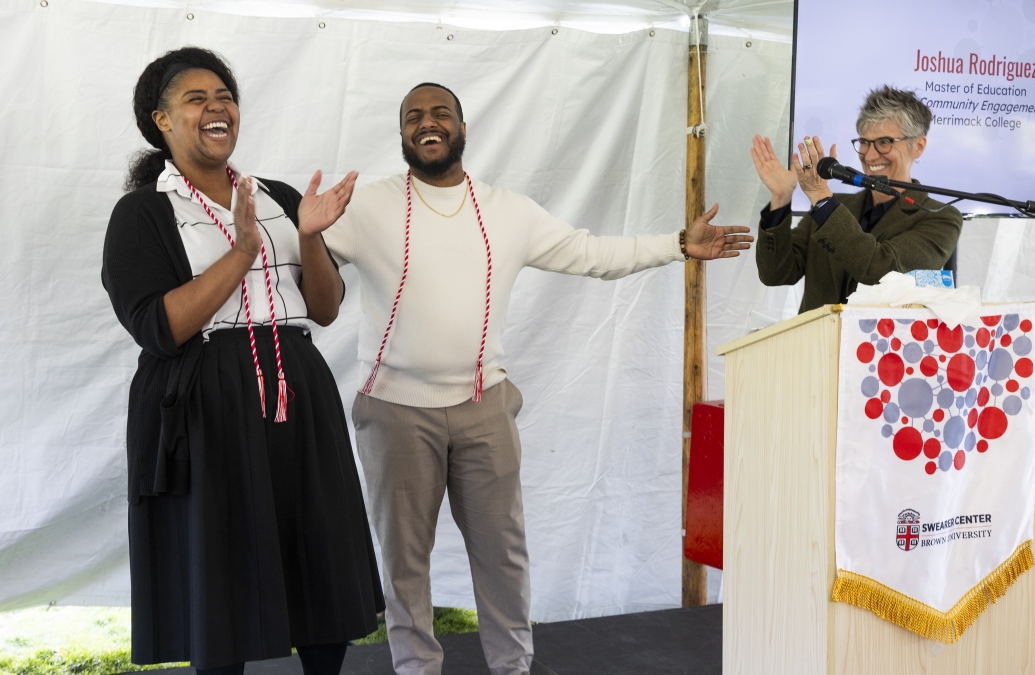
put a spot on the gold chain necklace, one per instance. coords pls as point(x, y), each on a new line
point(444, 215)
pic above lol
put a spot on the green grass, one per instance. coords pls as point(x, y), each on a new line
point(71, 662)
point(65, 641)
point(447, 621)
point(96, 640)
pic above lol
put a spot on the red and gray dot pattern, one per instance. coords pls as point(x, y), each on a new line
point(943, 392)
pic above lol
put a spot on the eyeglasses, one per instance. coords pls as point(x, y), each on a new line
point(883, 145)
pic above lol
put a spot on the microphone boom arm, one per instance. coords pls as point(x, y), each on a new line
point(830, 169)
point(1026, 208)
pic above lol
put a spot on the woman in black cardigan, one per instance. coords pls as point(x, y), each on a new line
point(248, 533)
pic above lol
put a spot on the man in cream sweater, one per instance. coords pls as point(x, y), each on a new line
point(437, 254)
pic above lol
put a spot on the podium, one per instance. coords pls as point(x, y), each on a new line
point(778, 530)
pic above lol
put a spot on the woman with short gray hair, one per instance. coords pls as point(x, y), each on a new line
point(894, 105)
point(848, 239)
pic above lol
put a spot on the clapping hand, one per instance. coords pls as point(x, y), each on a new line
point(805, 162)
point(705, 241)
point(318, 212)
point(247, 240)
point(780, 181)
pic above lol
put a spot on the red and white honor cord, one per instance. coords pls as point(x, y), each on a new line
point(479, 369)
point(478, 374)
point(282, 387)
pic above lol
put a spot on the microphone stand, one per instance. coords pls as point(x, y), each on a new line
point(1026, 208)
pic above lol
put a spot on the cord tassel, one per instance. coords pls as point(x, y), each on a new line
point(282, 390)
point(478, 384)
point(369, 386)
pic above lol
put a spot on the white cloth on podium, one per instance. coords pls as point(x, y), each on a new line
point(951, 305)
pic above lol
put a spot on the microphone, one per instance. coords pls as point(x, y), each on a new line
point(829, 168)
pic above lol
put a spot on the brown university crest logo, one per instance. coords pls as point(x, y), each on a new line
point(907, 534)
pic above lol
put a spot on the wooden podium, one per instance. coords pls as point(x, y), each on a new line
point(778, 530)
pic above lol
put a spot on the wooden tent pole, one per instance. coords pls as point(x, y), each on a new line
point(695, 363)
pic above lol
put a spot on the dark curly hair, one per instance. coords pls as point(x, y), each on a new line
point(149, 95)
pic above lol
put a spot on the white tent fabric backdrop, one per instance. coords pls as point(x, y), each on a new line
point(590, 125)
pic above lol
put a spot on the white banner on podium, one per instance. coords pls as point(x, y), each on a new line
point(935, 464)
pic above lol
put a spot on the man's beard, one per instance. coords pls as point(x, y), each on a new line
point(439, 167)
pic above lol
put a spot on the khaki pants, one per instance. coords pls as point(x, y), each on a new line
point(411, 456)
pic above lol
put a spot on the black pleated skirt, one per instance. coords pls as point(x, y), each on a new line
point(271, 548)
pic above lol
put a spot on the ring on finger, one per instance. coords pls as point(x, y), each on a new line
point(807, 167)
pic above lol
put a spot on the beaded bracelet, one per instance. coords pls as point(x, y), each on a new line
point(682, 244)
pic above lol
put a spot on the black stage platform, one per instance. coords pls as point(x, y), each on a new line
point(667, 642)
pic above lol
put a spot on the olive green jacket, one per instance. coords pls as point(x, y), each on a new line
point(838, 256)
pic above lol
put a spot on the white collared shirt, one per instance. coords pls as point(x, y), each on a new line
point(205, 243)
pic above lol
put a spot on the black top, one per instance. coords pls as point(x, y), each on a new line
point(144, 259)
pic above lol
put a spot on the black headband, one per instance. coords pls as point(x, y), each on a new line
point(172, 71)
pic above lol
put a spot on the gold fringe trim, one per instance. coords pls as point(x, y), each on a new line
point(925, 620)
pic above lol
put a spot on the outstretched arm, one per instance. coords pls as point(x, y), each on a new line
point(555, 246)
